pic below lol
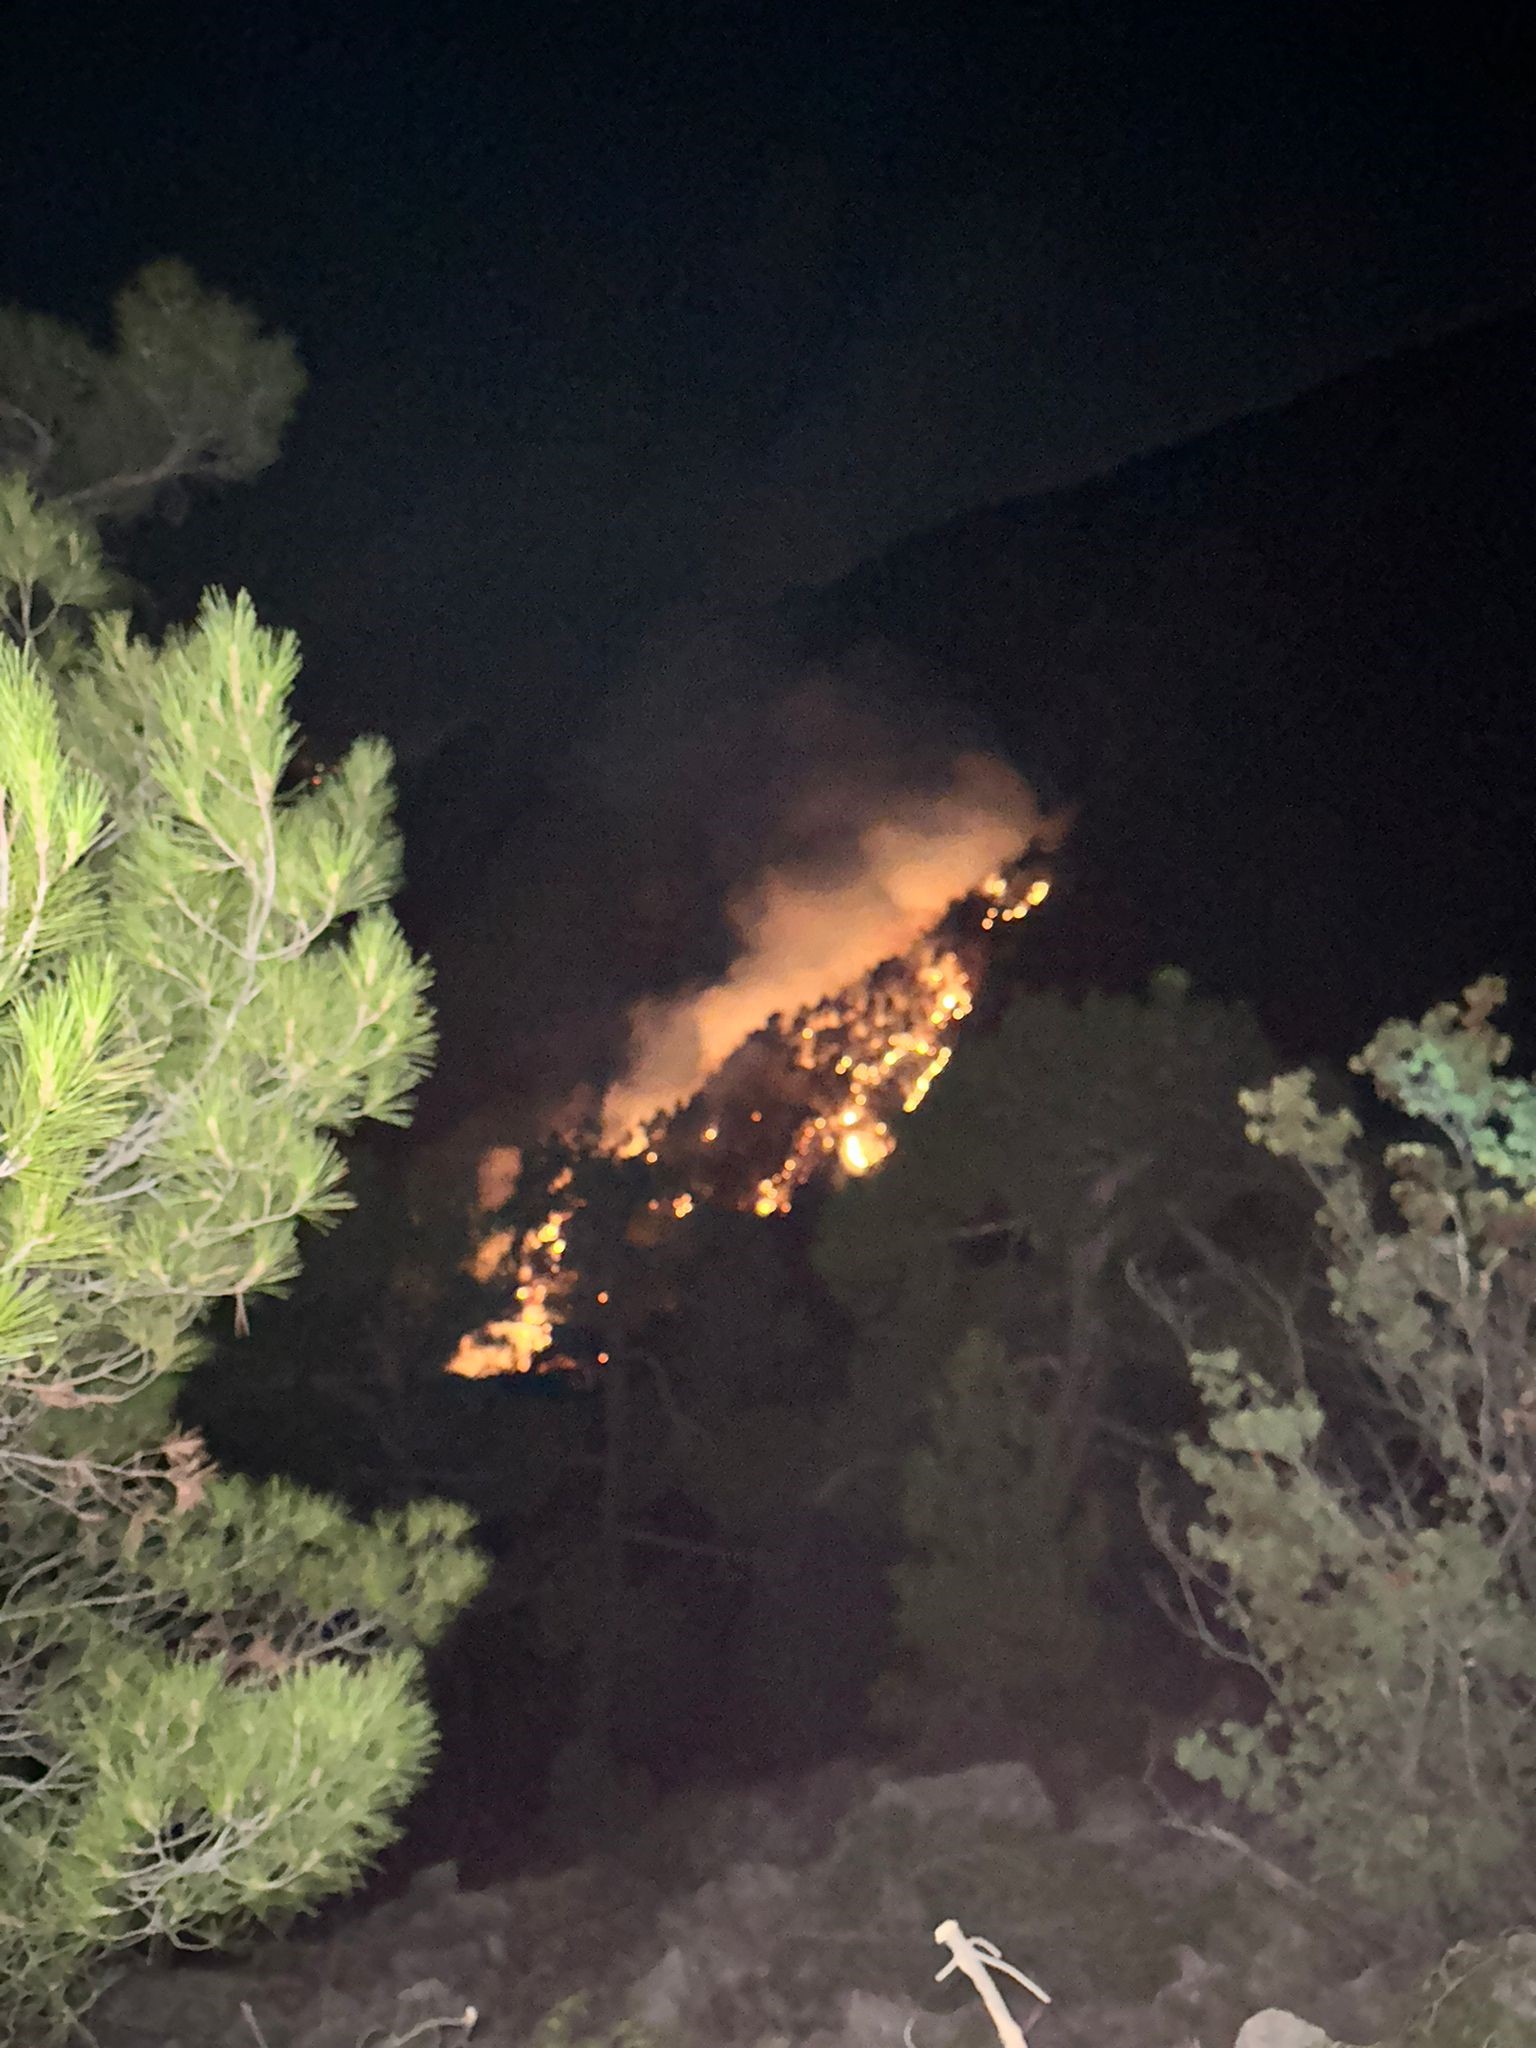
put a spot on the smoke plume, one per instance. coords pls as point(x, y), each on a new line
point(876, 866)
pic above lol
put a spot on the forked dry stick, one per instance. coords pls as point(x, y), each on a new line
point(466, 2019)
point(976, 1957)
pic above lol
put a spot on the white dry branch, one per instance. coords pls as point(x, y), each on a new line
point(466, 2020)
point(976, 1958)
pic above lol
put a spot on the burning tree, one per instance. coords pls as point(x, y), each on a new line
point(820, 1091)
point(795, 1069)
point(588, 1234)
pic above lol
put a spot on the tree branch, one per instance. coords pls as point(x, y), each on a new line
point(42, 439)
point(93, 500)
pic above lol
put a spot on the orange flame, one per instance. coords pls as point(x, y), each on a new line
point(534, 1263)
point(805, 935)
point(875, 1050)
point(866, 1055)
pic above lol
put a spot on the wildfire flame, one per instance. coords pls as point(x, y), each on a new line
point(535, 1264)
point(876, 1049)
point(802, 1096)
point(806, 931)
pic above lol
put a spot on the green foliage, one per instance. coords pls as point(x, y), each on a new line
point(987, 1265)
point(190, 392)
point(992, 1599)
point(198, 1040)
point(1481, 1995)
point(209, 1691)
point(568, 2026)
point(1382, 1580)
point(1071, 1139)
point(193, 1799)
point(54, 571)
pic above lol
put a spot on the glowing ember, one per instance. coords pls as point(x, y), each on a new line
point(859, 1151)
point(846, 1068)
point(1001, 910)
point(508, 1345)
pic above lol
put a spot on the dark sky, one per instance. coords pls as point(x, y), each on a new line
point(626, 305)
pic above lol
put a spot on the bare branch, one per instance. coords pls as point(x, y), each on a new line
point(94, 501)
point(42, 440)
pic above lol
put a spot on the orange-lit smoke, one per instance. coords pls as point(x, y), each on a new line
point(805, 935)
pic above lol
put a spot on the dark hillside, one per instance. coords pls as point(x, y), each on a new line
point(1287, 668)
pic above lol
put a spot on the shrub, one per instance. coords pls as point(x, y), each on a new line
point(1378, 1567)
point(993, 1599)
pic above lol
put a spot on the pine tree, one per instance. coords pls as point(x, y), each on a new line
point(191, 393)
point(1003, 1545)
point(209, 1691)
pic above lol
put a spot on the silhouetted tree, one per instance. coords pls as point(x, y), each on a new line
point(191, 392)
point(988, 1265)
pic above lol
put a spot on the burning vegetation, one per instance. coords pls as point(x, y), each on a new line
point(820, 1091)
point(804, 1096)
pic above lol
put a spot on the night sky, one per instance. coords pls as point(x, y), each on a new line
point(629, 306)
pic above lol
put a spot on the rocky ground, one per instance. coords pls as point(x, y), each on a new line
point(803, 1916)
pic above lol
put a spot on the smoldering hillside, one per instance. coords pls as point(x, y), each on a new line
point(738, 832)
